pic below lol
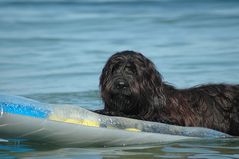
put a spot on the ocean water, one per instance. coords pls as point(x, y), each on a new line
point(54, 50)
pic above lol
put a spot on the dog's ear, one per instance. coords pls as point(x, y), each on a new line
point(106, 72)
point(152, 89)
point(103, 76)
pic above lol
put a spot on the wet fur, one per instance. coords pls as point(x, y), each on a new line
point(148, 97)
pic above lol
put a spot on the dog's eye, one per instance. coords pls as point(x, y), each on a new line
point(115, 68)
point(128, 68)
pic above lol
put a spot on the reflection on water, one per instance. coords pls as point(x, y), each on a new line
point(53, 51)
point(225, 148)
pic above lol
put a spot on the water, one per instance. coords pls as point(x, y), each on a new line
point(54, 50)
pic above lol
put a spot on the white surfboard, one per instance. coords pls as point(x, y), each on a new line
point(67, 125)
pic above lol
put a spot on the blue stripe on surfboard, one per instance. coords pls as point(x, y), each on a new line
point(27, 110)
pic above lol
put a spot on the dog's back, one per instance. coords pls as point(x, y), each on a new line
point(214, 106)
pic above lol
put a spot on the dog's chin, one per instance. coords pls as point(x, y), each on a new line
point(121, 103)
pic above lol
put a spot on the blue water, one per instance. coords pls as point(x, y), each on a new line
point(54, 50)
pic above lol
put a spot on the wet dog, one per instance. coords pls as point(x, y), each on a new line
point(132, 87)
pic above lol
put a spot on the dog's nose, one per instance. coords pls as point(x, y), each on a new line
point(121, 84)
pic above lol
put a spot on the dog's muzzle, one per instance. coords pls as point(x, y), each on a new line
point(121, 84)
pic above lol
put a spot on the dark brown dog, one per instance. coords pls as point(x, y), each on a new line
point(132, 87)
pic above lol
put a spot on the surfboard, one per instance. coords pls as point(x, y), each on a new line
point(71, 126)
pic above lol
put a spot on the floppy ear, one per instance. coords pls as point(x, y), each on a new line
point(103, 76)
point(105, 83)
point(106, 73)
point(152, 87)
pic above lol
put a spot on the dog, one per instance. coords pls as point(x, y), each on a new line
point(130, 86)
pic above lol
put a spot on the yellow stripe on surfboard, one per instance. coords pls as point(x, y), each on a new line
point(75, 121)
point(133, 129)
point(85, 122)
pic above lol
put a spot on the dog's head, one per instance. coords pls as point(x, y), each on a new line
point(129, 82)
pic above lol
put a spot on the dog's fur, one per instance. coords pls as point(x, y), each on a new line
point(132, 87)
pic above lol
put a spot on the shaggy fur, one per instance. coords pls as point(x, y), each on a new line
point(132, 87)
